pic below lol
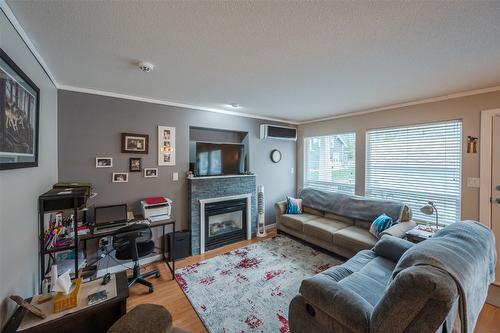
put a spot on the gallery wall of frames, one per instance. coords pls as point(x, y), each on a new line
point(135, 143)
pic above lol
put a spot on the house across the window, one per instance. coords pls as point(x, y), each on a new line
point(330, 162)
point(417, 164)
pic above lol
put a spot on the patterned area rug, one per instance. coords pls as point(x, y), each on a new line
point(249, 289)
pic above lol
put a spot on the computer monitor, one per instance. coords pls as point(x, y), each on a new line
point(105, 215)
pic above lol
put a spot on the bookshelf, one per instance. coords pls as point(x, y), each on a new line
point(54, 201)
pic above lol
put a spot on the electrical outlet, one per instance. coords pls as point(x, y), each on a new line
point(473, 182)
point(175, 176)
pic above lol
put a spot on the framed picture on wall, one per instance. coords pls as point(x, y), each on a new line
point(150, 172)
point(135, 143)
point(120, 177)
point(19, 113)
point(103, 162)
point(135, 164)
point(166, 146)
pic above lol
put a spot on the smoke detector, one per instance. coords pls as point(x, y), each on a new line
point(146, 67)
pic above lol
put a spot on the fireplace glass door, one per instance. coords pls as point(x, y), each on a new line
point(225, 223)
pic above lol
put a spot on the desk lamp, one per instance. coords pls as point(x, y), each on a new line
point(429, 209)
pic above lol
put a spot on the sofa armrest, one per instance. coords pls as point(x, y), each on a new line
point(418, 299)
point(342, 304)
point(280, 208)
point(391, 247)
point(399, 229)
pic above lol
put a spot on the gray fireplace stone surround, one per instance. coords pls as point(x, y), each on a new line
point(200, 188)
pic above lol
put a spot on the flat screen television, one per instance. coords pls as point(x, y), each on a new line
point(217, 159)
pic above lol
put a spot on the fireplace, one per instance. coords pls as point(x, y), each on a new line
point(225, 222)
point(203, 191)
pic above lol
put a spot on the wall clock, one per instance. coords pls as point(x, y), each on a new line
point(275, 156)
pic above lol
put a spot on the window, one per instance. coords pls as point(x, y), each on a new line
point(417, 164)
point(330, 162)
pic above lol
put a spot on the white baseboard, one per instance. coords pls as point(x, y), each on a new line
point(270, 226)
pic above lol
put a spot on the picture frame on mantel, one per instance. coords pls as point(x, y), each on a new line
point(19, 114)
point(166, 146)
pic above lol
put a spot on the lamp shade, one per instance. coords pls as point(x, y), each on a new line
point(428, 209)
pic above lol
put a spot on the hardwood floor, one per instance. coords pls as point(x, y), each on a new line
point(169, 294)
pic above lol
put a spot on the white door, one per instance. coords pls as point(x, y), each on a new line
point(495, 187)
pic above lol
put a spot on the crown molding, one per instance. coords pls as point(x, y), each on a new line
point(405, 104)
point(164, 102)
point(17, 26)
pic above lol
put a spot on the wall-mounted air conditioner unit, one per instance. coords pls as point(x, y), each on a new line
point(268, 131)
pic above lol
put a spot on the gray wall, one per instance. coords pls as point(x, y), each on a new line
point(19, 189)
point(466, 108)
point(90, 126)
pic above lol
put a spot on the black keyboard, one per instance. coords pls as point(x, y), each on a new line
point(107, 228)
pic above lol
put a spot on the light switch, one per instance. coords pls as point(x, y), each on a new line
point(175, 176)
point(292, 170)
point(473, 182)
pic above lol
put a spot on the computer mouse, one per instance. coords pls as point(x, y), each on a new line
point(106, 278)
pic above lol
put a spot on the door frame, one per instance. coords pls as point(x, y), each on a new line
point(485, 155)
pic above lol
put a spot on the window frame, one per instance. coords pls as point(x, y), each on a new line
point(460, 171)
point(305, 159)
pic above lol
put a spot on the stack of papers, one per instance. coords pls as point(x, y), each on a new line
point(420, 232)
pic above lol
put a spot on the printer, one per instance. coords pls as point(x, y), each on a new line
point(156, 209)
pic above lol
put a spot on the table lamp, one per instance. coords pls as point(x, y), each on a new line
point(430, 209)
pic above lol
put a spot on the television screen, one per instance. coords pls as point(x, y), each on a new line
point(214, 159)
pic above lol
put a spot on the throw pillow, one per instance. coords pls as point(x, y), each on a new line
point(380, 224)
point(293, 205)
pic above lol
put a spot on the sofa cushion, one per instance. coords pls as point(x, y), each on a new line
point(336, 217)
point(352, 265)
point(354, 238)
point(313, 211)
point(362, 270)
point(323, 228)
point(363, 224)
point(296, 221)
point(391, 247)
point(375, 274)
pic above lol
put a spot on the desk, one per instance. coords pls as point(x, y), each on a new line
point(96, 319)
point(156, 224)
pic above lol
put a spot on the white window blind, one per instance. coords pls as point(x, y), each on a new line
point(329, 162)
point(417, 164)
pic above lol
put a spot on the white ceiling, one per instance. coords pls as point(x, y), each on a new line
point(288, 60)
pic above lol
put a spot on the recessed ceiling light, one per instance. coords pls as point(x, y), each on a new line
point(234, 105)
point(145, 66)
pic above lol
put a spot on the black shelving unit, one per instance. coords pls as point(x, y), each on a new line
point(53, 201)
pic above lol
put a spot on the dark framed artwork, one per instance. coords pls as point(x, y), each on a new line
point(135, 143)
point(19, 114)
point(135, 164)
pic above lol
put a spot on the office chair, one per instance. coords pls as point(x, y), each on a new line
point(131, 243)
